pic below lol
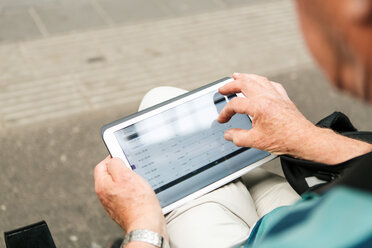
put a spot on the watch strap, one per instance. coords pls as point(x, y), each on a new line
point(146, 236)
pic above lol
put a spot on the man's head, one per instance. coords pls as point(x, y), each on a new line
point(339, 34)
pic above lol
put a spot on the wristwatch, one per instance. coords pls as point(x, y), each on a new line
point(146, 236)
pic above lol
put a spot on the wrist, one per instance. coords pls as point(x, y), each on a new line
point(144, 238)
point(157, 225)
point(145, 227)
point(323, 145)
point(146, 216)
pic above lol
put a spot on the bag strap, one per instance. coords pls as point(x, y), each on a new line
point(358, 176)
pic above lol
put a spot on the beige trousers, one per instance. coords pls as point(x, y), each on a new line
point(224, 217)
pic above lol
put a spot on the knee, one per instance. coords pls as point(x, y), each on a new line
point(160, 94)
point(207, 225)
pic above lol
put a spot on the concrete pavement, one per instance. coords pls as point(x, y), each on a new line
point(60, 83)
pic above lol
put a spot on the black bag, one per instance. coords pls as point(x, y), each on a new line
point(304, 175)
point(32, 236)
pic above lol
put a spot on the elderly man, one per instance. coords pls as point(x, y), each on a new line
point(339, 34)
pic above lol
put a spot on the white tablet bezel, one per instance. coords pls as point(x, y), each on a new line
point(115, 149)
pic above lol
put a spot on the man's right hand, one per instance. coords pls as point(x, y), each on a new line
point(279, 127)
point(128, 199)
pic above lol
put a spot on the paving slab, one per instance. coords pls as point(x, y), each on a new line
point(79, 15)
point(11, 5)
point(17, 25)
point(128, 11)
point(176, 8)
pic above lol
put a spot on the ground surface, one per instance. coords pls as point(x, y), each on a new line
point(68, 67)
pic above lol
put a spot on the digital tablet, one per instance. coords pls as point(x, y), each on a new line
point(179, 147)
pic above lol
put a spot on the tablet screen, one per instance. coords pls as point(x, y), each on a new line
point(183, 149)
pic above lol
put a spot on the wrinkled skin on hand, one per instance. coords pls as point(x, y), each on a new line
point(127, 198)
point(277, 123)
point(279, 127)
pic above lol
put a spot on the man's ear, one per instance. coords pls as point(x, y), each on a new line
point(358, 11)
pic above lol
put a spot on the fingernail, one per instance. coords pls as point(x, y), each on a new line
point(228, 136)
point(236, 74)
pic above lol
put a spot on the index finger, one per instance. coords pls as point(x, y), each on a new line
point(235, 86)
point(238, 105)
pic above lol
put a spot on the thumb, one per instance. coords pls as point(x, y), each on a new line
point(117, 169)
point(240, 137)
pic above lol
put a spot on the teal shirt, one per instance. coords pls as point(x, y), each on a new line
point(340, 218)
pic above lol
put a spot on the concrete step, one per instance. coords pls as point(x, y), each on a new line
point(70, 74)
